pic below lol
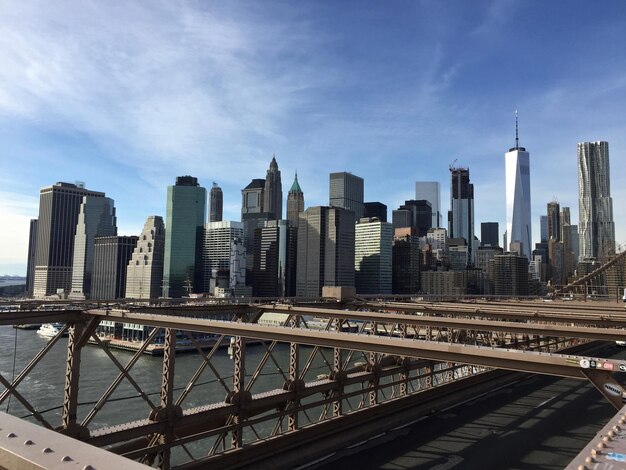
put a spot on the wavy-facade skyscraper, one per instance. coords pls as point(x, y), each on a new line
point(518, 218)
point(595, 221)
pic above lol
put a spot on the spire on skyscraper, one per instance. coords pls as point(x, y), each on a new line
point(273, 192)
point(516, 131)
point(295, 187)
point(517, 146)
point(295, 202)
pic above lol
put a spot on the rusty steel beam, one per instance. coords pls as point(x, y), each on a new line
point(593, 274)
point(470, 324)
point(196, 419)
point(524, 361)
point(606, 449)
point(43, 316)
point(78, 337)
point(600, 316)
point(26, 446)
point(537, 307)
point(193, 310)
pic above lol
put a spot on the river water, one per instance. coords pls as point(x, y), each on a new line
point(43, 387)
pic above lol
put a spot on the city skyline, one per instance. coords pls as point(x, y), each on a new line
point(128, 109)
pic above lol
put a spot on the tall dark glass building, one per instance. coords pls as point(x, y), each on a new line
point(407, 256)
point(110, 259)
point(59, 208)
point(275, 260)
point(554, 221)
point(216, 204)
point(415, 214)
point(184, 224)
point(375, 210)
point(461, 214)
point(326, 239)
point(346, 191)
point(489, 234)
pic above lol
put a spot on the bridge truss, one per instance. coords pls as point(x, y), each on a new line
point(298, 373)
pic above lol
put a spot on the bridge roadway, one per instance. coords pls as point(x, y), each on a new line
point(387, 367)
point(535, 422)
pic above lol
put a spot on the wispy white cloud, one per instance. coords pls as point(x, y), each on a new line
point(172, 82)
point(159, 89)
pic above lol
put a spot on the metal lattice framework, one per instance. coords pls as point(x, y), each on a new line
point(317, 369)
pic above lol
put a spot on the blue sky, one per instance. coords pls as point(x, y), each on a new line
point(128, 95)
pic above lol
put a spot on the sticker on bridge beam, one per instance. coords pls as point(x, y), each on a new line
point(607, 365)
point(592, 364)
point(622, 367)
point(616, 456)
point(613, 390)
point(584, 363)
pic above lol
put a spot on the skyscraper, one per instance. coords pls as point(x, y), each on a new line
point(96, 219)
point(518, 221)
point(554, 220)
point(216, 203)
point(406, 260)
point(325, 250)
point(218, 239)
point(275, 260)
point(373, 256)
point(59, 207)
point(253, 216)
point(30, 264)
point(110, 261)
point(543, 227)
point(489, 234)
point(595, 221)
point(461, 215)
point(252, 197)
point(431, 192)
point(422, 215)
point(375, 209)
point(145, 268)
point(184, 224)
point(295, 202)
point(508, 274)
point(346, 190)
point(273, 196)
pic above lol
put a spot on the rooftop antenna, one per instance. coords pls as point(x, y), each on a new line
point(516, 131)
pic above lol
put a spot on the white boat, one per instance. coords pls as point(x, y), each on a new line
point(51, 329)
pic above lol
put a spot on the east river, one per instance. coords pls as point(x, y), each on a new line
point(43, 387)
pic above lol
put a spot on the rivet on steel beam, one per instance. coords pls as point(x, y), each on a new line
point(88, 467)
point(611, 433)
point(589, 460)
point(11, 435)
point(28, 442)
point(47, 450)
point(582, 467)
point(66, 458)
point(606, 438)
point(616, 428)
point(594, 452)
